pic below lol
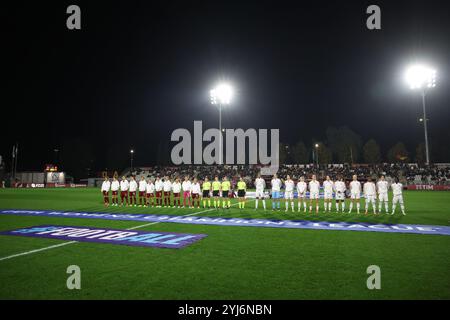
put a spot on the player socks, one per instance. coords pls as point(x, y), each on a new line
point(357, 207)
point(329, 206)
point(256, 203)
point(264, 204)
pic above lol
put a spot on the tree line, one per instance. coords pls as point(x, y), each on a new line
point(343, 145)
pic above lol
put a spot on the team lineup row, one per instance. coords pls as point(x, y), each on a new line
point(158, 193)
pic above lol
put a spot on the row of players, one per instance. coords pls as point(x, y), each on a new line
point(162, 189)
point(158, 193)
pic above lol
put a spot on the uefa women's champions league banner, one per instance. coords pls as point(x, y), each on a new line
point(240, 222)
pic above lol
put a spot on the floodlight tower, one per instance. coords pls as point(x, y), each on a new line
point(316, 146)
point(131, 161)
point(422, 78)
point(221, 96)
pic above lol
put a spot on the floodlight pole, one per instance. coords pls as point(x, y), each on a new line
point(220, 129)
point(427, 154)
point(131, 160)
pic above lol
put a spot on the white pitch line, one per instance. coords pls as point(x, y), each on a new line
point(37, 250)
point(71, 242)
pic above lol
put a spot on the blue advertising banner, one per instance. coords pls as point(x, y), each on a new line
point(110, 236)
point(218, 221)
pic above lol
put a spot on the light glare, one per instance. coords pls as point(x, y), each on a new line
point(222, 94)
point(419, 77)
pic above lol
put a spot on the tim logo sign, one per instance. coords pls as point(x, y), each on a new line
point(231, 147)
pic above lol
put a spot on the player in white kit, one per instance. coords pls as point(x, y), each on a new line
point(150, 193)
point(340, 188)
point(115, 185)
point(142, 189)
point(132, 191)
point(370, 194)
point(328, 186)
point(302, 187)
point(106, 186)
point(260, 185)
point(124, 185)
point(355, 193)
point(176, 189)
point(397, 190)
point(314, 188)
point(382, 188)
point(289, 193)
point(276, 188)
point(158, 191)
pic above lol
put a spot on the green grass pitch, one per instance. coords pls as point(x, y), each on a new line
point(231, 262)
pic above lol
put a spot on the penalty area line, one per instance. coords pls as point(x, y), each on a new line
point(72, 242)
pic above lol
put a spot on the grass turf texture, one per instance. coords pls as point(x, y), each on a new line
point(232, 262)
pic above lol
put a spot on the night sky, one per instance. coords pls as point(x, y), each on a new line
point(137, 70)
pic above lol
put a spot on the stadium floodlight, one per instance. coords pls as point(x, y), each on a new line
point(420, 77)
point(131, 161)
point(316, 146)
point(221, 95)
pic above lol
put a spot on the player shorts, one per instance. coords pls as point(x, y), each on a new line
point(225, 193)
point(149, 195)
point(383, 196)
point(186, 194)
point(355, 195)
point(105, 193)
point(370, 198)
point(158, 194)
point(275, 194)
point(132, 193)
point(176, 195)
point(241, 193)
point(141, 194)
point(114, 193)
point(205, 193)
point(328, 195)
point(124, 193)
point(314, 195)
point(340, 195)
point(166, 194)
point(259, 194)
point(397, 198)
point(215, 193)
point(302, 195)
point(289, 195)
point(195, 196)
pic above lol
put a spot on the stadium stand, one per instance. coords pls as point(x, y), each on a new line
point(408, 173)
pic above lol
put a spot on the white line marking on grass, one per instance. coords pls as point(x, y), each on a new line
point(37, 250)
point(71, 242)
